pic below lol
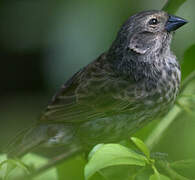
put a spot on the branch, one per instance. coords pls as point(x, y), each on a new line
point(172, 173)
point(156, 134)
point(52, 163)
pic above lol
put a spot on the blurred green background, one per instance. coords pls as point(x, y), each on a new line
point(44, 42)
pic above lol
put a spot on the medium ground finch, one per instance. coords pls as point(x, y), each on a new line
point(134, 82)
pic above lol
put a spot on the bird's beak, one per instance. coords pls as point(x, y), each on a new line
point(174, 23)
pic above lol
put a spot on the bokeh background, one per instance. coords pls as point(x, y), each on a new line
point(44, 42)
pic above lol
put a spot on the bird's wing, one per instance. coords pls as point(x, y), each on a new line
point(93, 92)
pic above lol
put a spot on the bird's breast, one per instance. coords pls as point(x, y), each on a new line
point(160, 90)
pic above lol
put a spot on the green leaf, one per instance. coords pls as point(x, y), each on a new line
point(11, 164)
point(17, 169)
point(35, 162)
point(156, 176)
point(3, 157)
point(143, 173)
point(16, 163)
point(112, 155)
point(140, 144)
point(94, 150)
point(3, 169)
point(121, 172)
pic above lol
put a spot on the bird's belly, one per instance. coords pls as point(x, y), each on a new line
point(121, 126)
point(146, 106)
point(111, 129)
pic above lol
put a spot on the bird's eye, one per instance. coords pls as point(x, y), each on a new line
point(153, 21)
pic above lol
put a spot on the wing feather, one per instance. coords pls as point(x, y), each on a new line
point(88, 95)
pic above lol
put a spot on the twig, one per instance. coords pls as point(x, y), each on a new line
point(173, 174)
point(53, 163)
point(162, 126)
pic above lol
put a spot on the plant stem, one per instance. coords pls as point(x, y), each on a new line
point(53, 163)
point(172, 6)
point(173, 174)
point(155, 136)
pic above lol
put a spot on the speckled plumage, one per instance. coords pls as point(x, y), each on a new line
point(134, 82)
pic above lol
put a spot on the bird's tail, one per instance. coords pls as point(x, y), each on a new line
point(23, 142)
point(40, 135)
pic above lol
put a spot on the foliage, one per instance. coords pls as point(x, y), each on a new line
point(102, 158)
point(114, 154)
point(18, 169)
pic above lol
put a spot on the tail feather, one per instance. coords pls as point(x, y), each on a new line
point(10, 148)
point(40, 135)
point(24, 142)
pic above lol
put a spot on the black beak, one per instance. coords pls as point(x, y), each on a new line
point(174, 23)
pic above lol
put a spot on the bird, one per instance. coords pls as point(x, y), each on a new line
point(134, 82)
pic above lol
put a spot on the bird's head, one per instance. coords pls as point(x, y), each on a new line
point(148, 31)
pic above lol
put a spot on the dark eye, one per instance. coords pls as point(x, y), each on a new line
point(153, 21)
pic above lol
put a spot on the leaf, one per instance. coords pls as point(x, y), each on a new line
point(16, 163)
point(9, 169)
point(143, 173)
point(155, 177)
point(159, 177)
point(17, 169)
point(112, 155)
point(94, 150)
point(121, 172)
point(2, 168)
point(35, 162)
point(188, 63)
point(140, 144)
point(11, 164)
point(3, 157)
